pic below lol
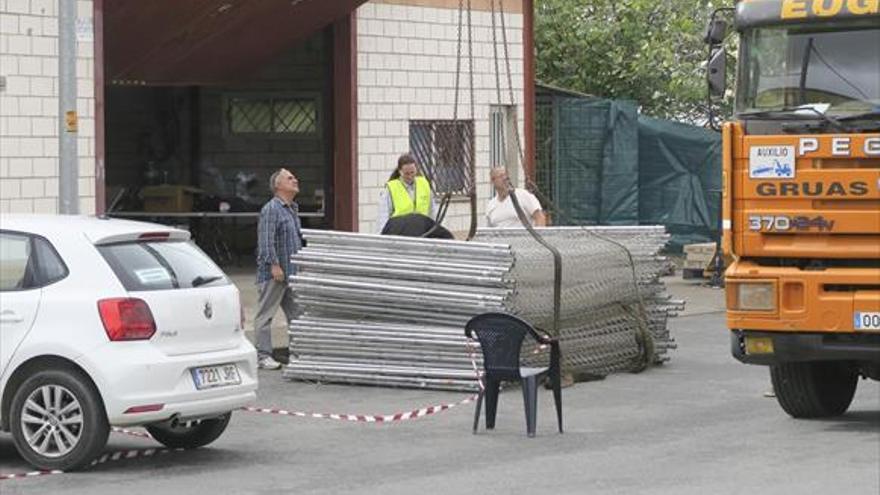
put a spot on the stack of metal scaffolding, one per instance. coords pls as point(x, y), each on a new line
point(391, 310)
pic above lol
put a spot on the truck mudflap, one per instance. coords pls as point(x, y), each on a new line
point(770, 348)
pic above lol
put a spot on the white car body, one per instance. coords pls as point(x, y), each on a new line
point(61, 321)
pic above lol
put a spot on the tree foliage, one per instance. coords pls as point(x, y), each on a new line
point(649, 51)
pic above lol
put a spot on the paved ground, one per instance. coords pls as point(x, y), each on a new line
point(699, 424)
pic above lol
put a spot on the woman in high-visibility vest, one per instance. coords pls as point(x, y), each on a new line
point(406, 192)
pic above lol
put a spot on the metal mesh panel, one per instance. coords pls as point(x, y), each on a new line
point(587, 158)
point(445, 150)
point(601, 304)
point(581, 131)
point(544, 142)
point(391, 310)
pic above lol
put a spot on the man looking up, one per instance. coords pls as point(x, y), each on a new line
point(278, 237)
point(500, 211)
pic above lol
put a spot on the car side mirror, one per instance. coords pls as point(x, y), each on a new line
point(716, 73)
point(716, 32)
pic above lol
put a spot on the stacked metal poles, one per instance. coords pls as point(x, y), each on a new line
point(391, 310)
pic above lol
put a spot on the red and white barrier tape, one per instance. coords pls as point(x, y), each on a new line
point(31, 474)
point(115, 456)
point(469, 342)
point(382, 418)
point(131, 454)
point(132, 433)
point(365, 418)
point(110, 457)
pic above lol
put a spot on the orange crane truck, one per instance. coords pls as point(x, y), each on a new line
point(801, 196)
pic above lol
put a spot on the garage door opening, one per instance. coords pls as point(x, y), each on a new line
point(201, 156)
point(200, 114)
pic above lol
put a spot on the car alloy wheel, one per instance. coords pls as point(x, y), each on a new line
point(52, 421)
point(57, 419)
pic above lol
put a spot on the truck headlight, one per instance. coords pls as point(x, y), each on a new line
point(755, 296)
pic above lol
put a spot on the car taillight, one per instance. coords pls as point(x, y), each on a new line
point(126, 319)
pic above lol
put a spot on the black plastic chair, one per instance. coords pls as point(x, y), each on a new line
point(501, 337)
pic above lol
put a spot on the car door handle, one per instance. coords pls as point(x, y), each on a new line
point(10, 316)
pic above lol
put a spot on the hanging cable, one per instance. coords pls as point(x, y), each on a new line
point(472, 177)
point(511, 192)
point(643, 334)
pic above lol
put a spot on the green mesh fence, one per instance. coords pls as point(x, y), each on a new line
point(600, 162)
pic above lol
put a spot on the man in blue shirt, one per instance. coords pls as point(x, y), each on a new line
point(279, 236)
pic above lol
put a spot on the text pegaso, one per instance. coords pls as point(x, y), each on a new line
point(840, 146)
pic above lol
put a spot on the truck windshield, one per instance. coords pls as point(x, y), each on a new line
point(832, 70)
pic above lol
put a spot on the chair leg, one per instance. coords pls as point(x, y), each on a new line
point(557, 396)
point(530, 398)
point(477, 412)
point(492, 387)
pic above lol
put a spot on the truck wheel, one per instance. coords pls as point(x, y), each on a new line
point(816, 389)
point(58, 421)
point(189, 434)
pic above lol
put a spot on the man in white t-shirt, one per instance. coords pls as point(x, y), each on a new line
point(500, 211)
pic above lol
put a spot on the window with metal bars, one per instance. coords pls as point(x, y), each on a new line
point(445, 151)
point(503, 150)
point(283, 115)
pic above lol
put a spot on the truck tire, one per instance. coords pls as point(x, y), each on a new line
point(58, 421)
point(815, 389)
point(190, 434)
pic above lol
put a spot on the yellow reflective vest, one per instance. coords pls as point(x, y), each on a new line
point(403, 203)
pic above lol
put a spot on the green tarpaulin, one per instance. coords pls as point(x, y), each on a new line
point(601, 163)
point(679, 179)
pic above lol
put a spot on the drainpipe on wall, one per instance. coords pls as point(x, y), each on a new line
point(68, 166)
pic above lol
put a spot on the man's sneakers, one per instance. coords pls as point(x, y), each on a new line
point(267, 363)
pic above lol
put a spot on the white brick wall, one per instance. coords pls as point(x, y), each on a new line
point(29, 107)
point(406, 69)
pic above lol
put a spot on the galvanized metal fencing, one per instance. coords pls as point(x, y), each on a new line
point(611, 291)
point(391, 310)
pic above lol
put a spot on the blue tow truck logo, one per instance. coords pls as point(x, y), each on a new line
point(782, 170)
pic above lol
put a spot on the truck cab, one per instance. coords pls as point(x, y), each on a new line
point(801, 199)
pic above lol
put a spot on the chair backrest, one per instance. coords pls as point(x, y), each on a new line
point(501, 336)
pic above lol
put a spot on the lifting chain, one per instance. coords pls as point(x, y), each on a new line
point(643, 334)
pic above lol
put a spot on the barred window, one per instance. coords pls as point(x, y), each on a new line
point(503, 149)
point(286, 115)
point(445, 151)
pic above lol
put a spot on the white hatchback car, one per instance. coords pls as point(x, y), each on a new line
point(111, 322)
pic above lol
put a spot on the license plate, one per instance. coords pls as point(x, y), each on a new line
point(866, 320)
point(221, 375)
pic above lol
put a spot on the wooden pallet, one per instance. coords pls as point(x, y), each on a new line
point(698, 260)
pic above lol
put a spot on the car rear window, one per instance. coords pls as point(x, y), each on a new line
point(144, 266)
